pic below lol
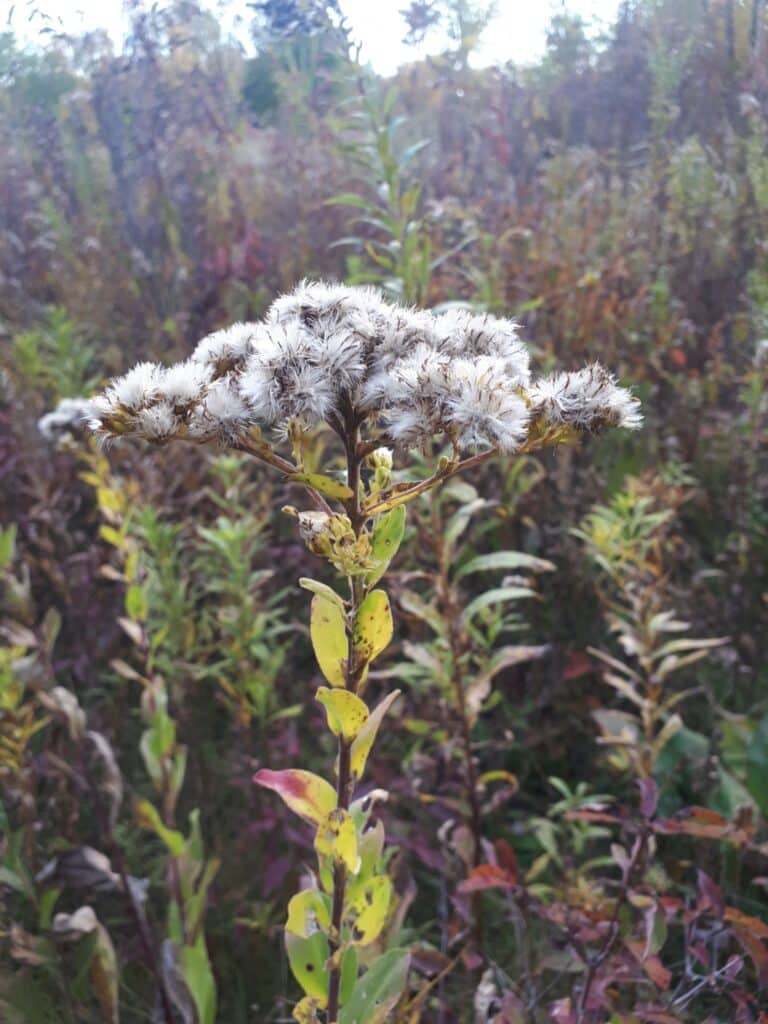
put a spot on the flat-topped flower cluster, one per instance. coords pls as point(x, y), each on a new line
point(344, 356)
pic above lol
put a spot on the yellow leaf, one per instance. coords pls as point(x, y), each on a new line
point(369, 909)
point(373, 626)
point(324, 484)
point(361, 747)
point(305, 1012)
point(307, 795)
point(337, 837)
point(308, 911)
point(328, 631)
point(347, 714)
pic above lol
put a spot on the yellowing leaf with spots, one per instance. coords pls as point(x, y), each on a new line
point(307, 958)
point(368, 909)
point(373, 626)
point(347, 714)
point(337, 838)
point(305, 1011)
point(361, 747)
point(324, 484)
point(308, 912)
point(328, 631)
point(307, 795)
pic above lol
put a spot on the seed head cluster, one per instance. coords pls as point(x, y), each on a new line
point(344, 356)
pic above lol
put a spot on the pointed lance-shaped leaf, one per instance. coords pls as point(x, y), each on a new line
point(378, 990)
point(308, 912)
point(328, 630)
point(307, 795)
point(369, 908)
point(316, 587)
point(307, 958)
point(361, 747)
point(373, 626)
point(324, 484)
point(337, 837)
point(346, 713)
point(385, 541)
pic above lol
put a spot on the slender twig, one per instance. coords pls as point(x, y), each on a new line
point(264, 453)
point(410, 1008)
point(518, 905)
point(139, 918)
point(401, 493)
point(595, 962)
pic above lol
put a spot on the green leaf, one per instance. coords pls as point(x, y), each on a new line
point(373, 626)
point(499, 595)
point(387, 537)
point(322, 590)
point(328, 631)
point(349, 199)
point(10, 880)
point(7, 546)
point(324, 484)
point(136, 603)
point(347, 714)
point(348, 974)
point(379, 989)
point(149, 818)
point(505, 560)
point(655, 930)
point(757, 766)
point(307, 958)
point(196, 969)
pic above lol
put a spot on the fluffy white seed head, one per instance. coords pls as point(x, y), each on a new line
point(221, 414)
point(227, 347)
point(324, 307)
point(184, 383)
point(484, 407)
point(69, 414)
point(463, 333)
point(589, 399)
point(325, 352)
point(157, 422)
point(138, 387)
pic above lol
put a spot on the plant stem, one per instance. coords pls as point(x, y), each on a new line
point(345, 783)
point(343, 792)
point(614, 930)
point(452, 615)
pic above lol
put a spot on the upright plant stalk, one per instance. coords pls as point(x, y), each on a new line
point(345, 783)
point(375, 374)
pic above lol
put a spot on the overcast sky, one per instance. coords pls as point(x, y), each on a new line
point(517, 32)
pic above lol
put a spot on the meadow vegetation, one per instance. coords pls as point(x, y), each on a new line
point(576, 769)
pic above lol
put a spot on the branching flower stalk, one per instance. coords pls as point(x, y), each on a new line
point(380, 377)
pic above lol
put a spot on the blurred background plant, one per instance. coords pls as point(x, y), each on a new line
point(582, 827)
